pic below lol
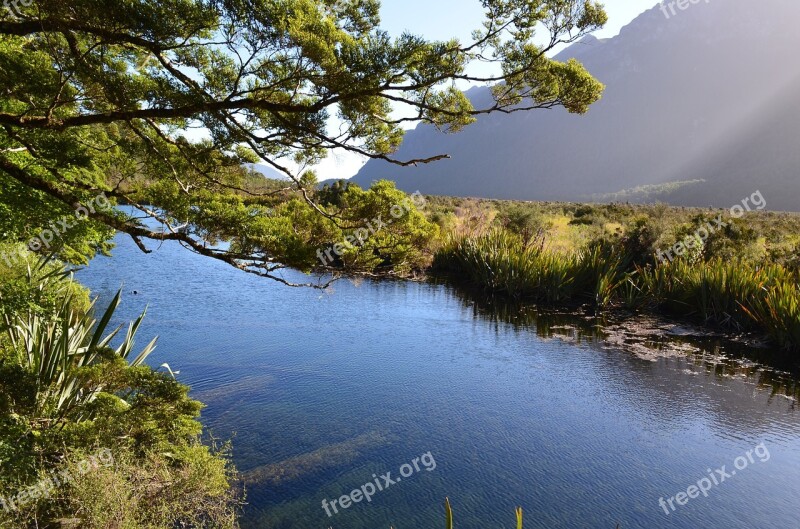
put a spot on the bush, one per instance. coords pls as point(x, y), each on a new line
point(29, 284)
point(64, 395)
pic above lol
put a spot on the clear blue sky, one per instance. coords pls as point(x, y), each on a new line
point(445, 19)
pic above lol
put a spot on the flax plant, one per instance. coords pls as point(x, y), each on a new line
point(60, 349)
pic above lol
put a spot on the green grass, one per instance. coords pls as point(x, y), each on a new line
point(499, 263)
point(730, 293)
point(757, 238)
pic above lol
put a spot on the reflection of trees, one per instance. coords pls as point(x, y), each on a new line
point(707, 352)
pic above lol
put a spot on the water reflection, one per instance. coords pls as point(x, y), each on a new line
point(648, 337)
point(583, 422)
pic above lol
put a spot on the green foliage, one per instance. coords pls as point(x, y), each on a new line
point(500, 264)
point(186, 488)
point(714, 292)
point(603, 269)
point(778, 311)
point(190, 494)
point(524, 221)
point(61, 350)
point(65, 393)
point(25, 214)
point(333, 194)
point(378, 229)
point(645, 193)
point(29, 284)
point(99, 97)
point(729, 293)
point(737, 240)
point(724, 292)
point(758, 238)
point(396, 234)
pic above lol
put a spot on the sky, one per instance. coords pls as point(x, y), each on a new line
point(445, 19)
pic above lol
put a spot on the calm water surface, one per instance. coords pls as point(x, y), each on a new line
point(320, 391)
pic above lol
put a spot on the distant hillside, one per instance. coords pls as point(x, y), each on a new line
point(267, 170)
point(701, 109)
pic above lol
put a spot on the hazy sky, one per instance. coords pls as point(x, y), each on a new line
point(445, 19)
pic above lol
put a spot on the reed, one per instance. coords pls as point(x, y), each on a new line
point(449, 516)
point(725, 293)
point(501, 264)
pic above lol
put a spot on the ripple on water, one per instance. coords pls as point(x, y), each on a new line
point(583, 427)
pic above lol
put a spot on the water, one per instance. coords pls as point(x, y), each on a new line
point(319, 391)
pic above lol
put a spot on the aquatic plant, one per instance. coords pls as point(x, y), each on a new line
point(449, 515)
point(500, 263)
point(727, 293)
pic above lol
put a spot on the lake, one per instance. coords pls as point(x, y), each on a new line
point(323, 393)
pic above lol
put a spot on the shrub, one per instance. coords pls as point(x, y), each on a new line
point(65, 394)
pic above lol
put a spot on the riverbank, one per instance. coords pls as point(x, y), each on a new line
point(734, 270)
point(429, 368)
point(733, 295)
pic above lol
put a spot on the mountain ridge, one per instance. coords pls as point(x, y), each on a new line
point(710, 114)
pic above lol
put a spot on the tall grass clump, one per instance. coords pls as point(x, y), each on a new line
point(601, 270)
point(778, 311)
point(729, 293)
point(499, 263)
point(716, 292)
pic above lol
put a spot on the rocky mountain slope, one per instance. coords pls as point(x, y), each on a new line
point(709, 97)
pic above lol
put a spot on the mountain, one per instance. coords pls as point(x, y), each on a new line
point(701, 108)
point(266, 170)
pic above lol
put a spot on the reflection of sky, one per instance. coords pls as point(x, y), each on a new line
point(578, 435)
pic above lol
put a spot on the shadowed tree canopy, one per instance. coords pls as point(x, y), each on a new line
point(159, 105)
